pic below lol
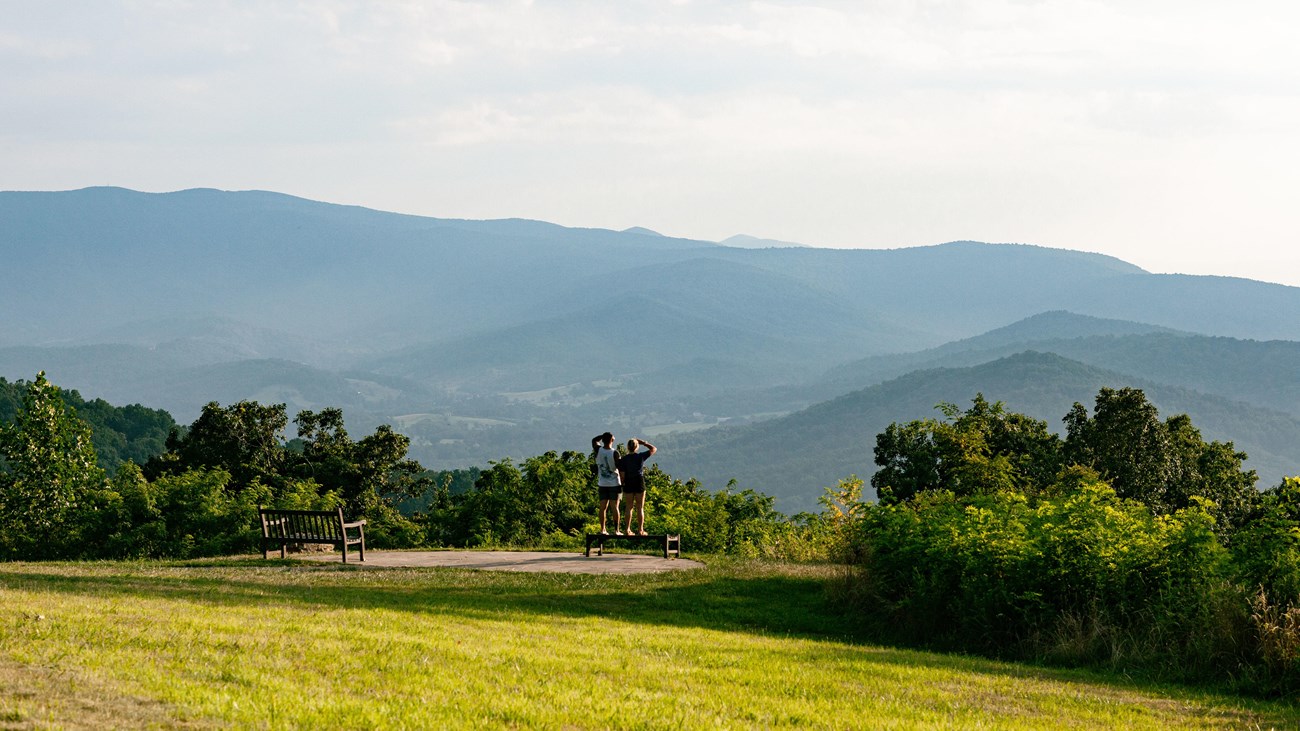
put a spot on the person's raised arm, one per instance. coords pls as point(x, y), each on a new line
point(652, 447)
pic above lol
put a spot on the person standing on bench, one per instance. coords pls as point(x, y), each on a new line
point(630, 467)
point(607, 480)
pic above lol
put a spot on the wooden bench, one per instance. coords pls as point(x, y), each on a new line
point(670, 543)
point(298, 527)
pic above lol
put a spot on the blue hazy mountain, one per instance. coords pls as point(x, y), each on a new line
point(1262, 373)
point(83, 261)
point(745, 241)
point(795, 456)
point(526, 335)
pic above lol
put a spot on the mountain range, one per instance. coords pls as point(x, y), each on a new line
point(487, 339)
point(796, 456)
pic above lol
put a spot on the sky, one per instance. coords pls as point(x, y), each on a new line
point(1161, 132)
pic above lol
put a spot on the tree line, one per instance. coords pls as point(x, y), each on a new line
point(198, 493)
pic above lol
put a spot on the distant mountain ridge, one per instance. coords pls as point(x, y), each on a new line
point(1044, 327)
point(1265, 374)
point(512, 337)
point(745, 241)
point(796, 456)
point(382, 279)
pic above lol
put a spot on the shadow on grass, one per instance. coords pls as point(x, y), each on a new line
point(726, 599)
point(719, 600)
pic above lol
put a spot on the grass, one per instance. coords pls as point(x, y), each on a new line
point(286, 645)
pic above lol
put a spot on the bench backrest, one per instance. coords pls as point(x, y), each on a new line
point(302, 524)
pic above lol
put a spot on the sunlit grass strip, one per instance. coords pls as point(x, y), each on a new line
point(737, 647)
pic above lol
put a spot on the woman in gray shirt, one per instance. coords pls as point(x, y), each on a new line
point(607, 480)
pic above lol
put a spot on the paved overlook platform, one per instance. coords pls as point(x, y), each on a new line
point(529, 561)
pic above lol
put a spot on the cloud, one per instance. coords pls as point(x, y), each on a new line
point(1087, 123)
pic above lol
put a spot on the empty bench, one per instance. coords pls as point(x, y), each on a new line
point(298, 527)
point(671, 543)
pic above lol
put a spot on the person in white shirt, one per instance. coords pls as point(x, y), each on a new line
point(607, 479)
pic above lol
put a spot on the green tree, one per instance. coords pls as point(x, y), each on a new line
point(371, 476)
point(49, 469)
point(983, 450)
point(1164, 464)
point(1212, 470)
point(742, 522)
point(522, 505)
point(244, 439)
point(1126, 443)
point(1266, 551)
point(138, 529)
point(202, 516)
point(119, 433)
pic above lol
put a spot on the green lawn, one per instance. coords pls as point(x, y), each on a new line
point(287, 645)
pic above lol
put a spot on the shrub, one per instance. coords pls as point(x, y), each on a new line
point(1087, 577)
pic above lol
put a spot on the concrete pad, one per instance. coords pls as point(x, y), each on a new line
point(533, 561)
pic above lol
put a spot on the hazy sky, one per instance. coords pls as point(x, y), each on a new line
point(1162, 132)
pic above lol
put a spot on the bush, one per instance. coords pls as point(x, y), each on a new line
point(737, 522)
point(1088, 577)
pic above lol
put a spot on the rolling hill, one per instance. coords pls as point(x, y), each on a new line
point(524, 335)
point(1261, 373)
point(86, 261)
point(794, 457)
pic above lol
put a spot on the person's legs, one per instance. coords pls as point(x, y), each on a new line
point(639, 505)
point(618, 515)
point(629, 501)
point(604, 509)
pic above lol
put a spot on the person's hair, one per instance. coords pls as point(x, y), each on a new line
point(606, 439)
point(632, 444)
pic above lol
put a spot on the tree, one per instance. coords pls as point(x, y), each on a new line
point(1211, 470)
point(119, 433)
point(983, 450)
point(1161, 463)
point(910, 457)
point(244, 439)
point(49, 468)
point(1126, 443)
point(370, 475)
point(1266, 548)
point(512, 505)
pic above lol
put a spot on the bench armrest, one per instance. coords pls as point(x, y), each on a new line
point(357, 524)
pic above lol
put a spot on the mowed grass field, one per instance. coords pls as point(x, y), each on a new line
point(252, 644)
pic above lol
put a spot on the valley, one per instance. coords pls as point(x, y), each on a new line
point(771, 364)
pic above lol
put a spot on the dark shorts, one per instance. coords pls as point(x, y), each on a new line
point(613, 492)
point(633, 484)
